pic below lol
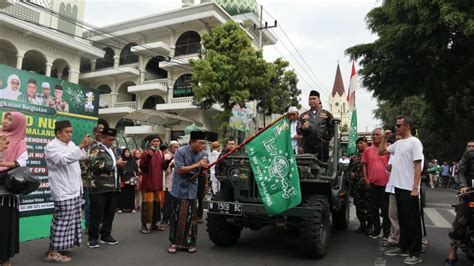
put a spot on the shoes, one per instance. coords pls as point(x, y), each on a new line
point(119, 211)
point(386, 243)
point(396, 252)
point(92, 243)
point(374, 235)
point(412, 260)
point(134, 211)
point(108, 240)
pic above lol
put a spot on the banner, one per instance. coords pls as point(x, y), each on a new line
point(43, 100)
point(241, 118)
point(274, 166)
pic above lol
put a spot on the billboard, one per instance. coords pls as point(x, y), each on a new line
point(44, 100)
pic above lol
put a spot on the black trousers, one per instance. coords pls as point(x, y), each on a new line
point(167, 208)
point(103, 207)
point(408, 208)
point(321, 150)
point(378, 199)
point(127, 198)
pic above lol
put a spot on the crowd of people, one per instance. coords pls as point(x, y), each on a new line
point(167, 183)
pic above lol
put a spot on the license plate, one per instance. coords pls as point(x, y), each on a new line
point(227, 208)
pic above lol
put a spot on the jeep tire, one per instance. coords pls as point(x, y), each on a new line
point(221, 232)
point(315, 230)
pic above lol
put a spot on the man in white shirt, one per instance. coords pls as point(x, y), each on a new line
point(64, 175)
point(405, 176)
point(294, 125)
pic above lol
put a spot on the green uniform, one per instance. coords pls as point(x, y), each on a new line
point(361, 193)
point(102, 170)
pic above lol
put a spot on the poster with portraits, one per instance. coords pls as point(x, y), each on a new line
point(44, 100)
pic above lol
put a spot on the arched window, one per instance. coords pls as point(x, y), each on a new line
point(153, 70)
point(183, 87)
point(104, 89)
point(34, 61)
point(152, 101)
point(126, 56)
point(188, 43)
point(343, 107)
point(67, 24)
point(8, 53)
point(107, 61)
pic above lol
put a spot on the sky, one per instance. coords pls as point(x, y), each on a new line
point(321, 30)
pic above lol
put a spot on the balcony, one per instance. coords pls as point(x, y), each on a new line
point(125, 71)
point(150, 85)
point(184, 103)
point(144, 130)
point(157, 47)
point(119, 108)
point(178, 61)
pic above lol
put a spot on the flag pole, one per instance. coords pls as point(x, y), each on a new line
point(246, 141)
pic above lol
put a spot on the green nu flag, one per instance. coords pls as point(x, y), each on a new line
point(351, 146)
point(274, 167)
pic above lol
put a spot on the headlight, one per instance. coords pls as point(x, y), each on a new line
point(234, 173)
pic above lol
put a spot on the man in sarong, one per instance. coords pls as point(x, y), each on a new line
point(190, 162)
point(64, 175)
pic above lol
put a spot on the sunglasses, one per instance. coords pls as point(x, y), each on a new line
point(470, 146)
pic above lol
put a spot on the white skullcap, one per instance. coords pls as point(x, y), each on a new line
point(292, 109)
point(173, 142)
point(45, 85)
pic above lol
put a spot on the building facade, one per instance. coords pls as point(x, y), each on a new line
point(338, 104)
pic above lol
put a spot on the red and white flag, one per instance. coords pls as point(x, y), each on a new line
point(352, 89)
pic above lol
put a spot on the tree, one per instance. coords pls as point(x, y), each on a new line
point(425, 48)
point(231, 68)
point(282, 91)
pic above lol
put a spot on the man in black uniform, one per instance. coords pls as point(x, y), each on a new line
point(463, 212)
point(316, 128)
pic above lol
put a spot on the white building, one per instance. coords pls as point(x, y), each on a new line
point(146, 64)
point(338, 104)
point(37, 41)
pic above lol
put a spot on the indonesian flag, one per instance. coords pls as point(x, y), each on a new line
point(352, 89)
point(352, 147)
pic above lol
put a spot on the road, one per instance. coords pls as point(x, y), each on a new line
point(268, 246)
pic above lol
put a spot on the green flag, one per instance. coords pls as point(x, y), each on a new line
point(352, 147)
point(274, 167)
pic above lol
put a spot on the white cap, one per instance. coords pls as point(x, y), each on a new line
point(173, 142)
point(90, 94)
point(292, 109)
point(45, 85)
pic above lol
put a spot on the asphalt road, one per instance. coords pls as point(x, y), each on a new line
point(268, 246)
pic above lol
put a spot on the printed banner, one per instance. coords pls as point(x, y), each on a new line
point(241, 118)
point(274, 166)
point(44, 100)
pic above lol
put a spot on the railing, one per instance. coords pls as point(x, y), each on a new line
point(182, 100)
point(163, 82)
point(105, 100)
point(126, 104)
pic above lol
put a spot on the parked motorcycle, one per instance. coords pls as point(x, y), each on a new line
point(467, 244)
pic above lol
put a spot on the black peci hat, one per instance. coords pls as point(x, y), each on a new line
point(363, 139)
point(197, 135)
point(314, 93)
point(109, 132)
point(59, 125)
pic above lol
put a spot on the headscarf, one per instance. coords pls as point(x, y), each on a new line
point(124, 158)
point(17, 132)
point(8, 93)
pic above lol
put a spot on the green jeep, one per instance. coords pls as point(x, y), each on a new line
point(325, 192)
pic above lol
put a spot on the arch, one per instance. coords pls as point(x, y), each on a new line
point(75, 10)
point(343, 107)
point(60, 69)
point(152, 101)
point(62, 7)
point(8, 53)
point(104, 89)
point(107, 61)
point(153, 70)
point(34, 61)
point(85, 65)
point(123, 94)
point(67, 23)
point(188, 43)
point(127, 56)
point(183, 87)
point(122, 123)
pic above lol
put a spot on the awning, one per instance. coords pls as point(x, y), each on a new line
point(155, 117)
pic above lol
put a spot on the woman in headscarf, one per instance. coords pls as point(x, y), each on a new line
point(128, 180)
point(152, 164)
point(12, 91)
point(15, 155)
point(137, 154)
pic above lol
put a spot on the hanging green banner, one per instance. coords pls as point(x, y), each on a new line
point(275, 169)
point(44, 100)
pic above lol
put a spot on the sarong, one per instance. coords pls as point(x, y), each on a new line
point(183, 223)
point(151, 213)
point(9, 227)
point(66, 228)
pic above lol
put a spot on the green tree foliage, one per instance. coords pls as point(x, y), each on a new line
point(282, 91)
point(425, 48)
point(233, 72)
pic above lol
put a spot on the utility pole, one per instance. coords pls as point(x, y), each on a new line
point(260, 29)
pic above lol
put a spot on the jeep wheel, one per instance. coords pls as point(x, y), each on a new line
point(221, 232)
point(340, 218)
point(315, 230)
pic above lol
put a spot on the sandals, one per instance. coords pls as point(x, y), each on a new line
point(57, 258)
point(192, 250)
point(144, 230)
point(157, 228)
point(172, 249)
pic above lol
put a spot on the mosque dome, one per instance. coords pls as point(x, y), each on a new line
point(193, 127)
point(237, 7)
